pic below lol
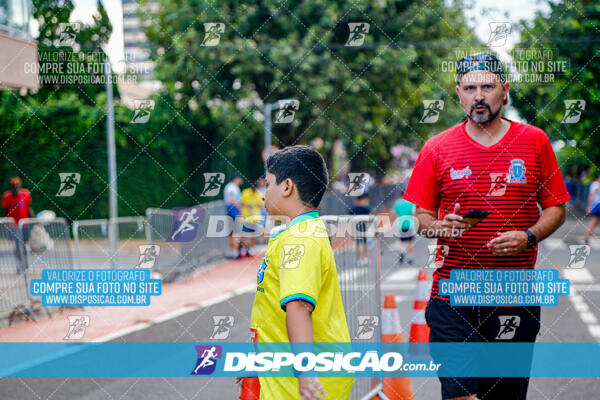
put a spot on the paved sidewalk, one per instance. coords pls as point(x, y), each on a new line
point(217, 283)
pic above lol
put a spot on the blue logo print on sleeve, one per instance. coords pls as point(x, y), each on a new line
point(260, 276)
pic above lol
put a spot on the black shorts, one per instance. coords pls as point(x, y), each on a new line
point(481, 324)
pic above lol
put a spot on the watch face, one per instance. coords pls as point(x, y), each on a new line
point(531, 239)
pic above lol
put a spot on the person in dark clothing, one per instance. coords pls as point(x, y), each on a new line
point(361, 208)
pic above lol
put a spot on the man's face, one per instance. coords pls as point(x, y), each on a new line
point(482, 95)
point(15, 187)
point(238, 181)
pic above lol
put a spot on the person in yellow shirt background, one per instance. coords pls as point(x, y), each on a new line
point(252, 201)
point(298, 298)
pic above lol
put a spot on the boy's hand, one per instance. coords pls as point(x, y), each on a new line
point(239, 381)
point(310, 388)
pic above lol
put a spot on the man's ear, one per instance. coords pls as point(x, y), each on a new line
point(506, 86)
point(287, 187)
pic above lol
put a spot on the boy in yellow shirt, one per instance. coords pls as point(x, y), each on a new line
point(298, 296)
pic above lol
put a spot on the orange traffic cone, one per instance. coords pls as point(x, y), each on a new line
point(250, 389)
point(396, 387)
point(419, 330)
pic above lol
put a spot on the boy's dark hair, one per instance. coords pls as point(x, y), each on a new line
point(305, 167)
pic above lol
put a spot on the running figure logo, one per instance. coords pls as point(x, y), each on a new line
point(499, 32)
point(573, 110)
point(366, 326)
point(498, 185)
point(212, 183)
point(437, 255)
point(212, 33)
point(223, 323)
point(358, 32)
point(207, 359)
point(287, 111)
point(508, 326)
point(148, 254)
point(142, 110)
point(68, 183)
point(292, 254)
point(359, 182)
point(68, 33)
point(432, 111)
point(186, 223)
point(579, 255)
point(77, 326)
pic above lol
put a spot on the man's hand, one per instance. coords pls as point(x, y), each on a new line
point(451, 224)
point(310, 388)
point(508, 243)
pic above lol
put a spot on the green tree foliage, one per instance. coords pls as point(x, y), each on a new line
point(63, 129)
point(370, 96)
point(573, 30)
point(53, 17)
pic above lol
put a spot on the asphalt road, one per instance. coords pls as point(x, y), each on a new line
point(575, 319)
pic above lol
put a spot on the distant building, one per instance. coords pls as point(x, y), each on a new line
point(137, 52)
point(19, 60)
point(137, 48)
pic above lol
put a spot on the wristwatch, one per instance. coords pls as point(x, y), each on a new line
point(531, 239)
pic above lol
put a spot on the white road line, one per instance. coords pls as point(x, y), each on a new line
point(555, 244)
point(578, 275)
point(588, 318)
point(398, 286)
point(351, 274)
point(594, 330)
point(403, 275)
point(595, 243)
point(587, 288)
point(174, 314)
point(400, 298)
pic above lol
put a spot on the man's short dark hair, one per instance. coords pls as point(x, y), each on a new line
point(305, 167)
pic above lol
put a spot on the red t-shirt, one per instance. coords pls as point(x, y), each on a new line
point(17, 205)
point(508, 179)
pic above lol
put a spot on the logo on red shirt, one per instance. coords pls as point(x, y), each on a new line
point(517, 171)
point(460, 173)
point(498, 186)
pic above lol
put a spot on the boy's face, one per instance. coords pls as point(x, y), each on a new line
point(275, 194)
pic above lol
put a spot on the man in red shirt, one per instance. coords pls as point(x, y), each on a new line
point(17, 201)
point(506, 168)
point(17, 204)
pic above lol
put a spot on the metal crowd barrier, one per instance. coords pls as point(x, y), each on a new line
point(380, 197)
point(14, 296)
point(203, 248)
point(180, 258)
point(160, 226)
point(92, 245)
point(47, 245)
point(358, 261)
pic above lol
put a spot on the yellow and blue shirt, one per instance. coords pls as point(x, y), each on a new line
point(299, 265)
